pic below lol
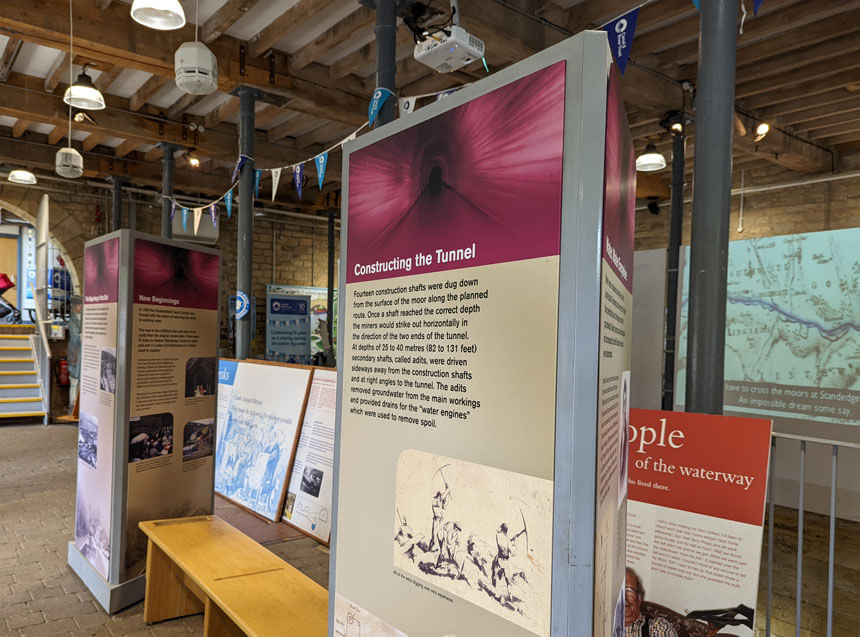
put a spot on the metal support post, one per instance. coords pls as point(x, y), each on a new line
point(709, 246)
point(167, 166)
point(245, 235)
point(679, 142)
point(329, 355)
point(386, 58)
point(116, 217)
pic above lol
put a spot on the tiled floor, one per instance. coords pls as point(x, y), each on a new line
point(39, 594)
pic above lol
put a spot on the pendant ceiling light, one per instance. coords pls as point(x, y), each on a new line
point(163, 15)
point(650, 160)
point(68, 161)
point(83, 94)
point(22, 176)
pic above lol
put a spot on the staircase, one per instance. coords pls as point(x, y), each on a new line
point(20, 393)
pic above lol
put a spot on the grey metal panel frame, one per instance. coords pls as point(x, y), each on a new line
point(588, 63)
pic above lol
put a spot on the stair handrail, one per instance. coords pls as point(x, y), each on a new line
point(42, 350)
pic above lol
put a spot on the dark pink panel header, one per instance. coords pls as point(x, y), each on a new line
point(101, 272)
point(475, 185)
point(171, 276)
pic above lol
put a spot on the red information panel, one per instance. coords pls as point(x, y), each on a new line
point(696, 488)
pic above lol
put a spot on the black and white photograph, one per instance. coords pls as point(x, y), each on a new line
point(150, 437)
point(88, 439)
point(200, 376)
point(197, 438)
point(480, 533)
point(92, 532)
point(107, 370)
point(312, 481)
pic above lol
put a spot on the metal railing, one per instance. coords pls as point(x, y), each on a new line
point(42, 353)
point(834, 446)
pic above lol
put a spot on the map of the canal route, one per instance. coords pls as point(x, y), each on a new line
point(792, 327)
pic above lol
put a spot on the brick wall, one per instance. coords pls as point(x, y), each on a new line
point(809, 208)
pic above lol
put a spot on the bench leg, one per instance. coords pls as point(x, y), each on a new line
point(217, 624)
point(167, 595)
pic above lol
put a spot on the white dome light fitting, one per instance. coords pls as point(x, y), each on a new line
point(22, 176)
point(69, 163)
point(196, 68)
point(84, 95)
point(162, 15)
point(650, 160)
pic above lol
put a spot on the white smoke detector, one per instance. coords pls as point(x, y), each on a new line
point(196, 68)
point(69, 163)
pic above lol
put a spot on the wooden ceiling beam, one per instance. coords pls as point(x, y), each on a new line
point(789, 78)
point(225, 17)
point(265, 115)
point(7, 59)
point(295, 126)
point(154, 153)
point(288, 21)
point(365, 57)
point(849, 124)
point(222, 112)
point(361, 19)
point(807, 89)
point(803, 106)
point(786, 150)
point(326, 134)
point(101, 4)
point(844, 138)
point(58, 133)
point(146, 92)
point(126, 147)
point(774, 19)
point(834, 114)
point(106, 78)
point(20, 127)
point(175, 110)
point(58, 71)
point(92, 140)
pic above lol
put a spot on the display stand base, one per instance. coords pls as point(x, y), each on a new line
point(112, 597)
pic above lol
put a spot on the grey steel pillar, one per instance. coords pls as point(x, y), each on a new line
point(329, 355)
point(386, 58)
point(712, 184)
point(167, 166)
point(679, 141)
point(116, 210)
point(245, 234)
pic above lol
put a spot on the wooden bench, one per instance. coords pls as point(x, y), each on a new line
point(202, 564)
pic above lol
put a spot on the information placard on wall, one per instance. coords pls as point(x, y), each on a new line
point(288, 328)
point(260, 407)
point(697, 487)
point(319, 309)
point(308, 503)
point(452, 399)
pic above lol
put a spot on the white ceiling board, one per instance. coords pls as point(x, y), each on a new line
point(318, 24)
point(3, 40)
point(259, 18)
point(354, 43)
point(113, 142)
point(43, 129)
point(7, 121)
point(145, 148)
point(127, 83)
point(35, 60)
point(167, 96)
point(79, 135)
point(208, 103)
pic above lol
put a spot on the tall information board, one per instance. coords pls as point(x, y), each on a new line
point(148, 381)
point(486, 276)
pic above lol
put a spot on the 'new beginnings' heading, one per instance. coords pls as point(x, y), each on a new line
point(421, 260)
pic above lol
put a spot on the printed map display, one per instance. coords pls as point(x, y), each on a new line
point(792, 327)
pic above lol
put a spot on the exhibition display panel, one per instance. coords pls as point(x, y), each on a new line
point(486, 277)
point(148, 381)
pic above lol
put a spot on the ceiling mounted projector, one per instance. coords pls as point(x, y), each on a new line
point(69, 163)
point(449, 50)
point(196, 69)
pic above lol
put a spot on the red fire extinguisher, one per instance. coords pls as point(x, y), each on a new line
point(61, 372)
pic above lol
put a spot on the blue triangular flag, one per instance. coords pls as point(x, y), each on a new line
point(184, 219)
point(321, 160)
point(257, 175)
point(380, 95)
point(696, 2)
point(172, 209)
point(756, 6)
point(213, 215)
point(298, 173)
point(621, 32)
point(239, 163)
point(228, 199)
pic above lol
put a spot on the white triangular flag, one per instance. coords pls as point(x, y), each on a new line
point(276, 177)
point(198, 213)
point(407, 105)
